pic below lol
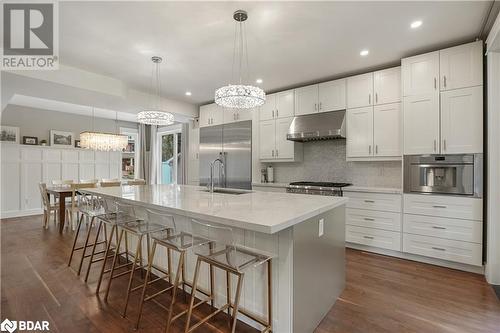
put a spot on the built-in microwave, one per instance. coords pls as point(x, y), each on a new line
point(444, 174)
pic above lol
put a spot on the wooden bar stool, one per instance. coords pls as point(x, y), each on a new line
point(139, 229)
point(224, 254)
point(112, 217)
point(179, 242)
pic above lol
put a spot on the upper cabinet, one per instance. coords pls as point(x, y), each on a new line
point(332, 95)
point(443, 101)
point(461, 66)
point(420, 74)
point(387, 86)
point(211, 115)
point(234, 115)
point(306, 100)
point(323, 97)
point(462, 121)
point(360, 91)
point(273, 145)
point(279, 105)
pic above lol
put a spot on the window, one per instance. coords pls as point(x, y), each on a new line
point(130, 156)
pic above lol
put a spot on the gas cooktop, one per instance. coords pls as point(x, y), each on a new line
point(319, 188)
point(320, 184)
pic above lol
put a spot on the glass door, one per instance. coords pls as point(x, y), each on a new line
point(170, 170)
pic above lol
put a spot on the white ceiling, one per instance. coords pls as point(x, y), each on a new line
point(290, 43)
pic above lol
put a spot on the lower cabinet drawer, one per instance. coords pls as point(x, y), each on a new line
point(446, 249)
point(374, 237)
point(454, 229)
point(373, 219)
point(444, 206)
point(374, 201)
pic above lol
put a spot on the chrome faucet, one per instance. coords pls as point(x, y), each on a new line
point(211, 184)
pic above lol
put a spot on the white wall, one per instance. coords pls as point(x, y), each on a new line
point(38, 122)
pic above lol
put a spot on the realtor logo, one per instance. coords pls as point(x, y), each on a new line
point(8, 326)
point(30, 35)
point(24, 325)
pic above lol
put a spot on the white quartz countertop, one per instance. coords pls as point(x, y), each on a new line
point(270, 184)
point(265, 212)
point(390, 190)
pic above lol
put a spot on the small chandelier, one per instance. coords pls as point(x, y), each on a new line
point(103, 141)
point(155, 115)
point(240, 96)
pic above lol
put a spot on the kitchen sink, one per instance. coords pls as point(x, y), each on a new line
point(228, 191)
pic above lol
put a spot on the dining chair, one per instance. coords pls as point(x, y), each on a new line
point(73, 208)
point(47, 206)
point(136, 181)
point(110, 182)
point(62, 182)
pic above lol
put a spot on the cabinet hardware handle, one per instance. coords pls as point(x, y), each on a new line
point(376, 97)
point(444, 144)
point(368, 237)
point(438, 248)
point(276, 152)
point(234, 116)
point(369, 99)
point(320, 105)
point(273, 114)
point(434, 145)
point(444, 80)
point(439, 206)
point(273, 153)
point(435, 84)
point(277, 113)
point(370, 149)
point(370, 201)
point(315, 107)
point(368, 219)
point(440, 228)
point(376, 149)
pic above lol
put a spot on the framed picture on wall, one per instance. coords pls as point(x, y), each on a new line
point(30, 140)
point(61, 138)
point(77, 144)
point(9, 134)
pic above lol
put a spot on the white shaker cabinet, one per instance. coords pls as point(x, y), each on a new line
point(359, 132)
point(273, 143)
point(387, 86)
point(360, 91)
point(211, 115)
point(420, 74)
point(387, 123)
point(332, 95)
point(306, 100)
point(462, 121)
point(461, 66)
point(421, 124)
point(279, 105)
point(284, 147)
point(267, 139)
point(234, 115)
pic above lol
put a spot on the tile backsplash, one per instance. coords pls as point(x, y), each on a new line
point(325, 161)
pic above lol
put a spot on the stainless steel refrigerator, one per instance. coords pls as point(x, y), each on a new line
point(233, 144)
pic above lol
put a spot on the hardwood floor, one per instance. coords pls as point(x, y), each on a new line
point(382, 294)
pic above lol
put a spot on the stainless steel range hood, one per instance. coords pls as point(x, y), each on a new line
point(317, 126)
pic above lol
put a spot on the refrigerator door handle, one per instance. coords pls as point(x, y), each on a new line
point(224, 169)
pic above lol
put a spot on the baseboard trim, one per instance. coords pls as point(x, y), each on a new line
point(414, 257)
point(21, 213)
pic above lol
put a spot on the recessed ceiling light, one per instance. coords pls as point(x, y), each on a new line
point(415, 24)
point(259, 81)
point(188, 93)
point(364, 53)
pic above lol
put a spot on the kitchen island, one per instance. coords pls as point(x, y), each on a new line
point(306, 235)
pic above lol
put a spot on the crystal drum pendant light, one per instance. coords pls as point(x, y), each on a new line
point(155, 115)
point(103, 141)
point(240, 96)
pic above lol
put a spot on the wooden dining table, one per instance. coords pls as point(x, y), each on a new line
point(60, 192)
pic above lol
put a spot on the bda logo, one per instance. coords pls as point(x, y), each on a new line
point(8, 325)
